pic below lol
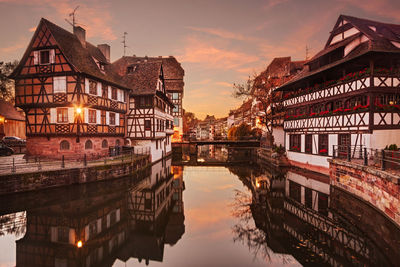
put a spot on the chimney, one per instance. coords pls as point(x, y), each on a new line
point(80, 34)
point(105, 49)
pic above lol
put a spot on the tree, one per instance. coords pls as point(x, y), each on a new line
point(189, 120)
point(7, 87)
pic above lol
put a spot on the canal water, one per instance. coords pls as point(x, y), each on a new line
point(178, 215)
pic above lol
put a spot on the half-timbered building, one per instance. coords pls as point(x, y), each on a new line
point(74, 102)
point(348, 94)
point(149, 119)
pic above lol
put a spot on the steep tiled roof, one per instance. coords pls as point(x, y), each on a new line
point(80, 57)
point(380, 36)
point(8, 111)
point(173, 71)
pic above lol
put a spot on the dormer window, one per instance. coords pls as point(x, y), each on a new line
point(101, 66)
point(131, 69)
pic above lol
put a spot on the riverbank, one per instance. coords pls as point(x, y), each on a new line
point(57, 175)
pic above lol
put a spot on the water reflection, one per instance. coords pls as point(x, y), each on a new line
point(98, 229)
point(292, 216)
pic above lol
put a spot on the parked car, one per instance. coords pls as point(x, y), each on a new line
point(5, 150)
point(13, 140)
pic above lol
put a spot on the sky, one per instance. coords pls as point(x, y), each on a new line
point(218, 42)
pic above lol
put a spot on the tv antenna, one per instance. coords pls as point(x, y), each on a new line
point(72, 14)
point(124, 41)
point(307, 52)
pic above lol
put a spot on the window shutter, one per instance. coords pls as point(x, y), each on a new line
point(117, 119)
point(99, 88)
point(53, 115)
point(108, 220)
point(86, 85)
point(36, 57)
point(109, 92)
point(53, 234)
point(107, 118)
point(71, 236)
point(86, 232)
point(71, 114)
point(86, 111)
point(118, 215)
point(98, 116)
point(99, 225)
point(52, 56)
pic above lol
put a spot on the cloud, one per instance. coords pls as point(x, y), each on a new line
point(93, 16)
point(22, 43)
point(32, 29)
point(385, 8)
point(222, 33)
point(224, 84)
point(205, 53)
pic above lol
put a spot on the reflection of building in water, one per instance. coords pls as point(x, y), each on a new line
point(98, 226)
point(156, 214)
point(296, 219)
point(82, 232)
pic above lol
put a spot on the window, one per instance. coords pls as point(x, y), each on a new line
point(175, 96)
point(344, 140)
point(104, 144)
point(295, 142)
point(295, 191)
point(92, 87)
point(92, 116)
point(113, 217)
point(63, 234)
point(176, 108)
point(117, 142)
point(308, 197)
point(112, 118)
point(114, 93)
point(60, 84)
point(156, 144)
point(147, 204)
point(308, 148)
point(176, 122)
point(62, 115)
point(147, 125)
point(323, 203)
point(44, 57)
point(92, 229)
point(88, 144)
point(323, 144)
point(104, 90)
point(64, 145)
point(103, 117)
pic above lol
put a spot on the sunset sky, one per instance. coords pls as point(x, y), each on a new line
point(218, 42)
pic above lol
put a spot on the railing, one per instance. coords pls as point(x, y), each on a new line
point(21, 163)
point(380, 158)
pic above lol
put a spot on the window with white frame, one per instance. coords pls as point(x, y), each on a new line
point(44, 57)
point(60, 84)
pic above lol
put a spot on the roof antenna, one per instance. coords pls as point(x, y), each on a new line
point(307, 52)
point(72, 14)
point(124, 42)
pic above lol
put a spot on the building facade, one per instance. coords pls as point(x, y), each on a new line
point(73, 102)
point(347, 96)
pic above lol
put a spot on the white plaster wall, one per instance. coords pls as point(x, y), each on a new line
point(156, 154)
point(279, 136)
point(309, 183)
point(333, 141)
point(287, 141)
point(315, 160)
point(381, 138)
point(303, 143)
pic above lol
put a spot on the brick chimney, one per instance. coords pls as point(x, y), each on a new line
point(81, 34)
point(105, 49)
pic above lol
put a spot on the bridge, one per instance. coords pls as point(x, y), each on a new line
point(249, 143)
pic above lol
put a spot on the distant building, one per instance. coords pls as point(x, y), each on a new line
point(12, 122)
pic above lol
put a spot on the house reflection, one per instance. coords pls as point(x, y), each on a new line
point(96, 229)
point(293, 218)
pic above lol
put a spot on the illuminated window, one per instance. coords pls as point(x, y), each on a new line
point(62, 115)
point(92, 116)
point(114, 94)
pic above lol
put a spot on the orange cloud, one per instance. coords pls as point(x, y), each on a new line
point(202, 52)
point(222, 33)
point(224, 84)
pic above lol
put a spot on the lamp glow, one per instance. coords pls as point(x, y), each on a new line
point(78, 110)
point(79, 244)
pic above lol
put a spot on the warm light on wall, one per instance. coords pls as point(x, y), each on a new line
point(79, 244)
point(2, 119)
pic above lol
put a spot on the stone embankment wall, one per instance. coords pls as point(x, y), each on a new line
point(23, 182)
point(379, 188)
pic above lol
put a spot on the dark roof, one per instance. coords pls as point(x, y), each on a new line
point(173, 71)
point(80, 57)
point(8, 111)
point(379, 41)
point(144, 76)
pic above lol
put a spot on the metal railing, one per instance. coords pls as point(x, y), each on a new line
point(380, 158)
point(21, 163)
